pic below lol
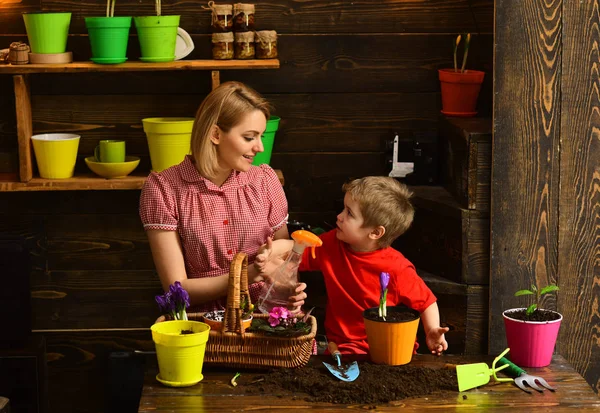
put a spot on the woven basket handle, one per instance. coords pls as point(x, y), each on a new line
point(237, 288)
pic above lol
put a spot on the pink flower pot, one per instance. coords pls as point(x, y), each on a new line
point(531, 343)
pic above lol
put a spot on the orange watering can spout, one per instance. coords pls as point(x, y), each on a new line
point(303, 239)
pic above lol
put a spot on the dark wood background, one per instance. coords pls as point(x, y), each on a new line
point(351, 74)
point(545, 170)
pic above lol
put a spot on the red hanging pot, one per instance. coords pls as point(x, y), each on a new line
point(460, 91)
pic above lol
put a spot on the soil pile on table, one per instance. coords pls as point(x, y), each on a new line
point(376, 384)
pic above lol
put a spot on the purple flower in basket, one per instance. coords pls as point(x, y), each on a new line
point(278, 315)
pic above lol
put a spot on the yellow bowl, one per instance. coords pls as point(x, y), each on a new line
point(113, 169)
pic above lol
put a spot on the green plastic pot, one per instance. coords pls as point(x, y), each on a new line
point(268, 139)
point(108, 38)
point(47, 32)
point(157, 36)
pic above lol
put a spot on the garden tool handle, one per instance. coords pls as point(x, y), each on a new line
point(335, 353)
point(512, 370)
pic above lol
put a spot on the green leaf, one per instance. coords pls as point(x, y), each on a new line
point(533, 288)
point(523, 292)
point(531, 309)
point(548, 289)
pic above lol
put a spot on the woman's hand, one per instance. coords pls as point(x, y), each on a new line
point(267, 261)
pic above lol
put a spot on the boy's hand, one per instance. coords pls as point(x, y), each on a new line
point(436, 341)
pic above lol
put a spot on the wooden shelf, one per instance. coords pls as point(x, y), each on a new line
point(84, 183)
point(21, 74)
point(86, 67)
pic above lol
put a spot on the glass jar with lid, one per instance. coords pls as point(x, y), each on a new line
point(244, 45)
point(266, 44)
point(243, 17)
point(222, 46)
point(222, 17)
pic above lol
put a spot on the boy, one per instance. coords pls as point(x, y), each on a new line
point(377, 210)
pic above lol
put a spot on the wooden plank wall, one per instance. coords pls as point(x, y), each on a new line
point(579, 197)
point(351, 73)
point(545, 191)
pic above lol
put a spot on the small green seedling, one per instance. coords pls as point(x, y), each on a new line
point(233, 380)
point(538, 295)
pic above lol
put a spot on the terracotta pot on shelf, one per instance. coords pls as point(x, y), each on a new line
point(460, 91)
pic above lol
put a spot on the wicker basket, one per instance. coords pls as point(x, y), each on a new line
point(234, 347)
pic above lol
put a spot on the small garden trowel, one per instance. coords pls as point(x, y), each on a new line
point(343, 372)
point(477, 374)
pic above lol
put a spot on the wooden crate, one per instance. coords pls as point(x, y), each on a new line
point(466, 160)
point(464, 309)
point(447, 240)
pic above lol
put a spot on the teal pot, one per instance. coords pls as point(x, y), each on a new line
point(108, 38)
point(47, 32)
point(158, 36)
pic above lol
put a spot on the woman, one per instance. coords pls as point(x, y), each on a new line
point(214, 204)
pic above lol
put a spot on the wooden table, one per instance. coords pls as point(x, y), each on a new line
point(215, 394)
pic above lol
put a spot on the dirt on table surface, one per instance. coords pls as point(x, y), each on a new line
point(376, 384)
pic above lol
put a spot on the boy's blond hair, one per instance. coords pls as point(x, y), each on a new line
point(226, 106)
point(385, 202)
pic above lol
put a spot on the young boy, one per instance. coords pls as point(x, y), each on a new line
point(377, 210)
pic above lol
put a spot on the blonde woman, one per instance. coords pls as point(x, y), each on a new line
point(214, 204)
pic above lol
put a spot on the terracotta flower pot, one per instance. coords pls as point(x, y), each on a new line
point(217, 325)
point(460, 91)
point(391, 342)
point(531, 343)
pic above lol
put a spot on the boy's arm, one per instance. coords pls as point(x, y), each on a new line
point(436, 341)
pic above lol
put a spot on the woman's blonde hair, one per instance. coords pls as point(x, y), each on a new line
point(383, 201)
point(225, 107)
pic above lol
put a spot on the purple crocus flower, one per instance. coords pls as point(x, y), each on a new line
point(179, 296)
point(164, 303)
point(384, 280)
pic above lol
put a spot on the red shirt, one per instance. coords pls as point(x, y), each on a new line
point(214, 223)
point(352, 282)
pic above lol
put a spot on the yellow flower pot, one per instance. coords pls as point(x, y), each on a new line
point(391, 342)
point(180, 356)
point(168, 140)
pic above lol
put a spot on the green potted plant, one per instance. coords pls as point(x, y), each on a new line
point(391, 331)
point(157, 35)
point(109, 36)
point(531, 332)
point(460, 87)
